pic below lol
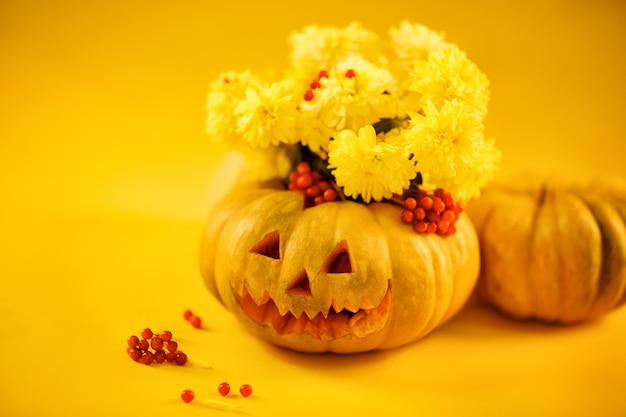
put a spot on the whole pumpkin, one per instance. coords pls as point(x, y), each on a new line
point(552, 251)
point(340, 277)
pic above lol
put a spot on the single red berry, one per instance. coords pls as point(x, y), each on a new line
point(438, 205)
point(420, 226)
point(407, 216)
point(245, 390)
point(419, 213)
point(350, 73)
point(304, 181)
point(156, 343)
point(303, 168)
point(330, 194)
point(448, 215)
point(223, 389)
point(147, 357)
point(308, 95)
point(187, 314)
point(146, 334)
point(432, 216)
point(316, 176)
point(451, 229)
point(133, 341)
point(159, 356)
point(172, 346)
point(322, 74)
point(187, 396)
point(313, 191)
point(324, 185)
point(315, 83)
point(319, 200)
point(439, 193)
point(442, 227)
point(143, 344)
point(432, 227)
point(195, 322)
point(180, 358)
point(448, 201)
point(426, 203)
point(134, 354)
point(166, 335)
point(410, 203)
point(170, 357)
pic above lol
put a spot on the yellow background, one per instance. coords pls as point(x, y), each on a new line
point(105, 177)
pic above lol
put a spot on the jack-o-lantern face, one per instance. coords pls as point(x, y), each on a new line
point(322, 305)
point(342, 276)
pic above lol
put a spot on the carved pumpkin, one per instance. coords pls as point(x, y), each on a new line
point(341, 276)
point(552, 252)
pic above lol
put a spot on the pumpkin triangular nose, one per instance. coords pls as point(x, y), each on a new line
point(300, 285)
point(338, 261)
point(268, 246)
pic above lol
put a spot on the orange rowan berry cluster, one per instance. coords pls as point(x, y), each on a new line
point(152, 348)
point(316, 188)
point(435, 213)
point(314, 85)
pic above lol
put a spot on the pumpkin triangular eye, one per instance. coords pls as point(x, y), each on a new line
point(268, 246)
point(339, 260)
point(300, 285)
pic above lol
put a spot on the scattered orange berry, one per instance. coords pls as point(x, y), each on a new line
point(187, 396)
point(245, 390)
point(223, 389)
point(195, 322)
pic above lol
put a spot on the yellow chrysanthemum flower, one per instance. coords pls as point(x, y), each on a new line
point(483, 172)
point(225, 94)
point(368, 168)
point(311, 130)
point(414, 42)
point(355, 94)
point(267, 115)
point(450, 148)
point(318, 48)
point(448, 75)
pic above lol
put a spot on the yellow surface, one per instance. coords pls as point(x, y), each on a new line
point(105, 180)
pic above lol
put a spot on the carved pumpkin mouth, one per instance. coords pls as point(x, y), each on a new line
point(338, 322)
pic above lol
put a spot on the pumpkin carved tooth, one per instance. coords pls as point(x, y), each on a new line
point(347, 305)
point(336, 306)
point(266, 298)
point(310, 314)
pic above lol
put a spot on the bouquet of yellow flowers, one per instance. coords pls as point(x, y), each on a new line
point(371, 118)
